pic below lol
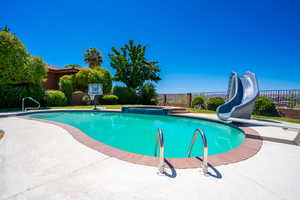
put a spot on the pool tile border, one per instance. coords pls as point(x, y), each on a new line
point(251, 145)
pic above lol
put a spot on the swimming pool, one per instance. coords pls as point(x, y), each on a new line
point(137, 132)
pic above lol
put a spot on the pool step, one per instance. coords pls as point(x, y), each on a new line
point(178, 110)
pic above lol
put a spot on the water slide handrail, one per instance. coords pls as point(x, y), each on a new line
point(235, 82)
point(205, 148)
point(32, 99)
point(160, 141)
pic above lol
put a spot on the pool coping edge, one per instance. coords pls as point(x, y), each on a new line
point(251, 145)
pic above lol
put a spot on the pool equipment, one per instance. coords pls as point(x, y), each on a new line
point(94, 90)
point(242, 93)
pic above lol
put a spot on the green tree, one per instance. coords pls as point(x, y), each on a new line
point(106, 80)
point(93, 57)
point(87, 75)
point(6, 28)
point(132, 67)
point(16, 64)
point(37, 70)
point(147, 94)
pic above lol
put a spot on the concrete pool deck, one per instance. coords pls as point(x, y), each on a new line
point(43, 161)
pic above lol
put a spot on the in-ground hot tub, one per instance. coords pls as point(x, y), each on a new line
point(146, 110)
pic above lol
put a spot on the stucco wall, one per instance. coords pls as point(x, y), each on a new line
point(289, 112)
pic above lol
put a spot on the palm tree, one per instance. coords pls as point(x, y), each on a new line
point(93, 58)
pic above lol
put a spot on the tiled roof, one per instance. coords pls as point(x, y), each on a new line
point(59, 69)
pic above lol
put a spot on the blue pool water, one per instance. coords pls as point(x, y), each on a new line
point(137, 132)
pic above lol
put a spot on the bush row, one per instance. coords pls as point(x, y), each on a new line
point(266, 107)
point(55, 98)
point(200, 102)
point(12, 95)
point(123, 95)
point(263, 106)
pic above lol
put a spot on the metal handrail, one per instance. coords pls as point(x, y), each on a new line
point(160, 141)
point(205, 149)
point(32, 99)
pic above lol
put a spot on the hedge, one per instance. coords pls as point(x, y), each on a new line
point(12, 95)
point(214, 102)
point(126, 95)
point(55, 98)
point(109, 99)
point(66, 86)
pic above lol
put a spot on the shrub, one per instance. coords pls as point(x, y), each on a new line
point(126, 95)
point(147, 93)
point(55, 98)
point(99, 75)
point(86, 99)
point(77, 92)
point(17, 66)
point(214, 102)
point(107, 81)
point(153, 101)
point(198, 102)
point(12, 95)
point(265, 106)
point(66, 86)
point(109, 99)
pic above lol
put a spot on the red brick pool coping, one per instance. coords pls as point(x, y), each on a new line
point(251, 145)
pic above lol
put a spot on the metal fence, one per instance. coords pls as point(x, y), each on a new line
point(173, 100)
point(282, 98)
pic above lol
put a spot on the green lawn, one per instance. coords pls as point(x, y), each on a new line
point(200, 110)
point(284, 119)
point(91, 106)
point(71, 107)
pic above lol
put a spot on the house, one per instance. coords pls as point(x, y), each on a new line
point(53, 75)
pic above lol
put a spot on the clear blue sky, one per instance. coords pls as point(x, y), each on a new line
point(198, 43)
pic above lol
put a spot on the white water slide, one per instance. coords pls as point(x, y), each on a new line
point(242, 93)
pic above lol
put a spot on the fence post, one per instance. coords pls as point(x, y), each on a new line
point(189, 100)
point(164, 99)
